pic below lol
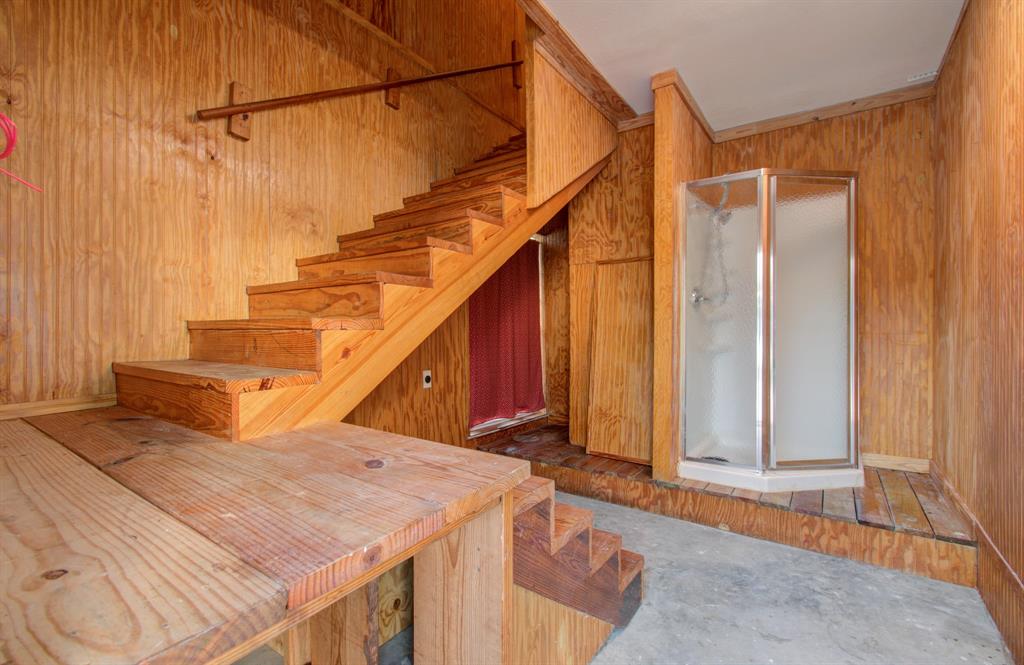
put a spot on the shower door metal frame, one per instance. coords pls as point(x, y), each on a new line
point(765, 355)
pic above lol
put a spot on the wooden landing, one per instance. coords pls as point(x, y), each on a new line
point(899, 519)
point(203, 548)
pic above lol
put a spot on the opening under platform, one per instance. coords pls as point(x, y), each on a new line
point(900, 520)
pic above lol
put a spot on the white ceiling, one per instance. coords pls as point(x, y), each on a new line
point(749, 60)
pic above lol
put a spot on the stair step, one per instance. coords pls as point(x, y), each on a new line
point(494, 199)
point(459, 229)
point(498, 151)
point(337, 297)
point(418, 262)
point(501, 160)
point(515, 183)
point(502, 166)
point(372, 277)
point(421, 218)
point(292, 349)
point(387, 245)
point(219, 377)
point(603, 546)
point(514, 178)
point(630, 565)
point(570, 522)
point(530, 492)
point(293, 323)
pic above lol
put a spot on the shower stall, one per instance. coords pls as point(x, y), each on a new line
point(767, 305)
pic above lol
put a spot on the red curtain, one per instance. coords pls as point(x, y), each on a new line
point(505, 373)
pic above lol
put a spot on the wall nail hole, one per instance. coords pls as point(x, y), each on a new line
point(55, 573)
point(374, 464)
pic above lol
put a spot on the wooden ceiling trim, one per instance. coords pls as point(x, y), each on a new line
point(642, 120)
point(570, 60)
point(898, 96)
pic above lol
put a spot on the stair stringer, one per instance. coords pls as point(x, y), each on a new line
point(357, 361)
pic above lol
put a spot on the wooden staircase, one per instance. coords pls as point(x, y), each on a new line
point(314, 347)
point(560, 555)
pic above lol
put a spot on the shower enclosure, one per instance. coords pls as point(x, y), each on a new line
point(769, 363)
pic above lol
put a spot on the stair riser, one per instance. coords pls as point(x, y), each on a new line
point(417, 262)
point(494, 162)
point(464, 232)
point(516, 181)
point(293, 349)
point(351, 300)
point(477, 179)
point(495, 204)
point(207, 411)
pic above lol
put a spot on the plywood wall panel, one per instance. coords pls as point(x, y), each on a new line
point(555, 257)
point(979, 353)
point(149, 218)
point(565, 133)
point(891, 148)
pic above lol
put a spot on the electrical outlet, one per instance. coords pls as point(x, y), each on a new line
point(428, 379)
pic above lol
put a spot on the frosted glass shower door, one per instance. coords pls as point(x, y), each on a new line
point(720, 312)
point(811, 412)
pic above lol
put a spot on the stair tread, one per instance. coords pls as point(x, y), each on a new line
point(422, 241)
point(514, 179)
point(494, 160)
point(292, 323)
point(462, 216)
point(570, 521)
point(222, 377)
point(341, 280)
point(630, 565)
point(496, 168)
point(603, 546)
point(531, 492)
point(451, 199)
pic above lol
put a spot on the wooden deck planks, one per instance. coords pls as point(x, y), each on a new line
point(807, 502)
point(777, 499)
point(907, 514)
point(94, 573)
point(946, 521)
point(315, 508)
point(840, 504)
point(872, 506)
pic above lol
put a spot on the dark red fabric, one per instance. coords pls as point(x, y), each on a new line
point(505, 373)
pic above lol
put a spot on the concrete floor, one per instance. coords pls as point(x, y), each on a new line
point(717, 597)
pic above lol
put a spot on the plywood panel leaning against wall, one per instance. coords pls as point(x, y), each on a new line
point(611, 220)
point(979, 291)
point(891, 149)
point(682, 151)
point(565, 133)
point(148, 218)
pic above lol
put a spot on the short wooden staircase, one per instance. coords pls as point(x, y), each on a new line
point(560, 555)
point(314, 347)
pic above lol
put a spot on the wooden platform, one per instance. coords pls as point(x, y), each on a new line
point(134, 539)
point(899, 519)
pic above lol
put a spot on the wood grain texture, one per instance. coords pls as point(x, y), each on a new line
point(979, 358)
point(346, 633)
point(682, 151)
point(319, 510)
point(888, 98)
point(611, 219)
point(462, 598)
point(671, 77)
point(294, 349)
point(929, 557)
point(619, 405)
point(148, 218)
point(565, 133)
point(891, 149)
point(93, 572)
point(545, 632)
point(394, 589)
point(574, 64)
point(556, 326)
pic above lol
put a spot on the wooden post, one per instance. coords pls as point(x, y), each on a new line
point(462, 598)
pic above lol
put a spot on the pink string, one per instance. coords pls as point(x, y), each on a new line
point(10, 131)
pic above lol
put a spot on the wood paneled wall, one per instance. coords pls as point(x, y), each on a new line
point(565, 133)
point(611, 220)
point(682, 151)
point(555, 264)
point(979, 290)
point(148, 218)
point(415, 25)
point(891, 148)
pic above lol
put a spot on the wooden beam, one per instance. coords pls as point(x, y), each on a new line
point(574, 65)
point(462, 596)
point(346, 633)
point(897, 96)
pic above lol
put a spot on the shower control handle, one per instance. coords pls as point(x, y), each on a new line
point(696, 297)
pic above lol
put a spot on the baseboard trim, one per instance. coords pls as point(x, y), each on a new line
point(44, 407)
point(896, 462)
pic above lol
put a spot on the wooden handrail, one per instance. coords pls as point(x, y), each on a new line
point(309, 97)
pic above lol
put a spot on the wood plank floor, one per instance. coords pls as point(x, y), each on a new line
point(899, 501)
